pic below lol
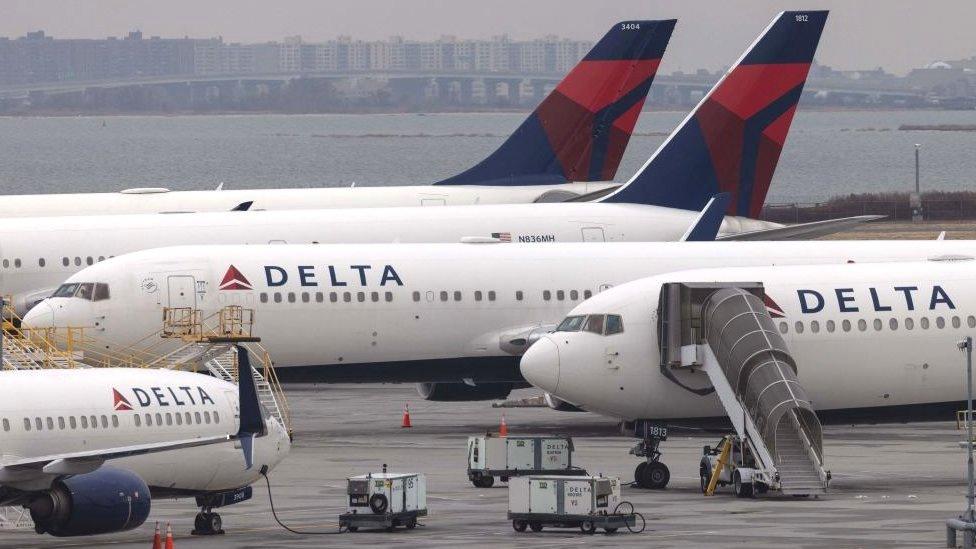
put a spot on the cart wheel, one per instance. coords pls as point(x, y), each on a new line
point(487, 482)
point(503, 479)
point(535, 526)
point(742, 490)
point(609, 531)
point(519, 525)
point(411, 523)
point(352, 529)
point(587, 527)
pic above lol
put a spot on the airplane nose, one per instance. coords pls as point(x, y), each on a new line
point(540, 365)
point(40, 316)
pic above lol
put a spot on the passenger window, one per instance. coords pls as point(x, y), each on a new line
point(206, 418)
point(27, 425)
point(846, 325)
point(571, 324)
point(862, 324)
point(101, 292)
point(587, 294)
point(477, 295)
point(971, 321)
point(519, 295)
point(305, 297)
point(491, 295)
point(65, 261)
point(196, 416)
point(573, 295)
point(830, 326)
point(815, 326)
point(6, 424)
point(784, 327)
point(72, 423)
point(939, 322)
point(101, 258)
point(416, 296)
point(93, 422)
point(50, 423)
point(798, 327)
point(104, 422)
point(159, 419)
point(90, 260)
point(179, 418)
point(615, 324)
point(138, 420)
point(878, 324)
point(216, 417)
point(40, 262)
point(346, 297)
point(389, 297)
point(17, 263)
point(443, 296)
point(169, 418)
point(560, 295)
point(291, 297)
point(148, 420)
point(38, 424)
point(115, 420)
point(6, 263)
point(77, 261)
point(924, 323)
point(84, 422)
point(188, 419)
point(546, 295)
point(374, 296)
point(909, 324)
point(264, 297)
point(333, 297)
point(893, 323)
point(956, 322)
point(594, 324)
point(319, 297)
point(277, 297)
point(457, 295)
point(360, 296)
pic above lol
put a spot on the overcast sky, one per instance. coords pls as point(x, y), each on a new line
point(895, 34)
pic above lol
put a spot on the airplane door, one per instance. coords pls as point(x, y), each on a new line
point(593, 234)
point(181, 290)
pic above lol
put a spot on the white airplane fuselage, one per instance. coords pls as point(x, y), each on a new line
point(52, 412)
point(160, 200)
point(40, 253)
point(436, 312)
point(864, 336)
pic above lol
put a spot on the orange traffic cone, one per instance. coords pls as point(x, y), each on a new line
point(503, 428)
point(157, 540)
point(406, 417)
point(169, 536)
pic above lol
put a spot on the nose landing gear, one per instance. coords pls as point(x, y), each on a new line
point(651, 473)
point(207, 523)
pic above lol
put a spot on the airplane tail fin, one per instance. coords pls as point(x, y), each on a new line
point(580, 130)
point(252, 421)
point(732, 140)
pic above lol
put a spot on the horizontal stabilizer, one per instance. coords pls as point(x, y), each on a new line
point(805, 231)
point(732, 140)
point(580, 130)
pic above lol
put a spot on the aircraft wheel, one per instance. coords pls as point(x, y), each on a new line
point(639, 473)
point(215, 523)
point(199, 524)
point(655, 475)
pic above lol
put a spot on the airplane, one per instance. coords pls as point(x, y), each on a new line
point(868, 342)
point(87, 450)
point(39, 253)
point(571, 145)
point(454, 318)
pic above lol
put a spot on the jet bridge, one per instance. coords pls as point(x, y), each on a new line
point(725, 331)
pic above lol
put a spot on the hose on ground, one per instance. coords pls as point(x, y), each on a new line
point(274, 513)
point(633, 512)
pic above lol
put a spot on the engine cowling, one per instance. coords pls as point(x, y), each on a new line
point(104, 501)
point(459, 392)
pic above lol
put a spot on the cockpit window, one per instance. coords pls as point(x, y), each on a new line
point(101, 291)
point(615, 324)
point(88, 291)
point(85, 290)
point(66, 290)
point(594, 324)
point(571, 324)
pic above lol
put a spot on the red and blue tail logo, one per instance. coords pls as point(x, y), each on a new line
point(731, 142)
point(580, 130)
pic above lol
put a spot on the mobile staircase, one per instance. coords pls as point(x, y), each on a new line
point(726, 331)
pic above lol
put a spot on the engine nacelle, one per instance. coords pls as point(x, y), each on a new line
point(25, 301)
point(101, 502)
point(516, 342)
point(460, 392)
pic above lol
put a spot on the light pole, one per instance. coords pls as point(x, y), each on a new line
point(915, 200)
point(917, 147)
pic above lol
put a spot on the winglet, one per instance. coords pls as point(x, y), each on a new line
point(732, 140)
point(252, 422)
point(709, 221)
point(580, 130)
point(243, 206)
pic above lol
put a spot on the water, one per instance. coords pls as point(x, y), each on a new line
point(827, 153)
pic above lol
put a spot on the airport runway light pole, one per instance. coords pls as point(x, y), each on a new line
point(917, 147)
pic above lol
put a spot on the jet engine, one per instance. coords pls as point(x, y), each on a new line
point(458, 392)
point(104, 501)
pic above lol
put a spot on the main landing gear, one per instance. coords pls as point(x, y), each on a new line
point(207, 523)
point(651, 473)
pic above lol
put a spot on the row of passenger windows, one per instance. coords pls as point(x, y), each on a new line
point(862, 325)
point(66, 261)
point(93, 422)
point(442, 295)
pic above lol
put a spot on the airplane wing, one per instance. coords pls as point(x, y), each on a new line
point(243, 206)
point(804, 231)
point(74, 463)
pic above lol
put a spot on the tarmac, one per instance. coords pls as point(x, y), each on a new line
point(893, 485)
